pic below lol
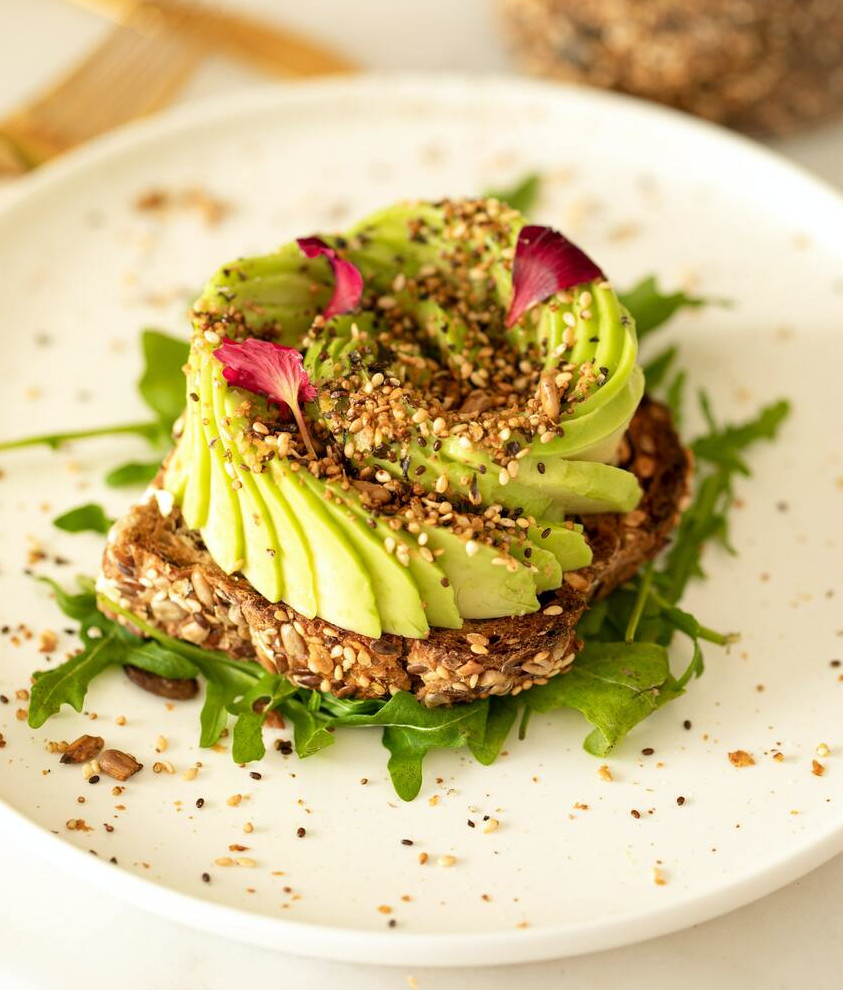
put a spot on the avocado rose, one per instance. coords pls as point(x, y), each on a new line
point(390, 429)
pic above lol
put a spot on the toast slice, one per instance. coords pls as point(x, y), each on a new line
point(158, 569)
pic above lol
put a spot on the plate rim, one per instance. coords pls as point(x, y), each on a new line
point(408, 948)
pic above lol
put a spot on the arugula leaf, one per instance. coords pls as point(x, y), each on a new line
point(522, 196)
point(310, 729)
point(162, 384)
point(88, 518)
point(247, 739)
point(132, 473)
point(651, 308)
point(614, 685)
point(655, 371)
point(499, 721)
point(82, 606)
point(214, 715)
point(68, 684)
point(157, 659)
point(723, 447)
point(411, 730)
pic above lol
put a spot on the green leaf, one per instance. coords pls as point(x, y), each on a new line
point(724, 446)
point(82, 607)
point(522, 196)
point(162, 384)
point(157, 659)
point(214, 715)
point(68, 684)
point(614, 685)
point(651, 308)
point(411, 730)
point(247, 743)
point(499, 721)
point(247, 738)
point(133, 473)
point(655, 371)
point(310, 732)
point(675, 397)
point(88, 518)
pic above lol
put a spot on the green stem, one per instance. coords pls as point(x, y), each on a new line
point(525, 720)
point(703, 632)
point(147, 430)
point(644, 589)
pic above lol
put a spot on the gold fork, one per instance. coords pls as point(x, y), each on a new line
point(138, 67)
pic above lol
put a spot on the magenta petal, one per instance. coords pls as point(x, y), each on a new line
point(271, 370)
point(546, 262)
point(268, 369)
point(348, 282)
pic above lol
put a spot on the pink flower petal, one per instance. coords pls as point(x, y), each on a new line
point(271, 370)
point(546, 262)
point(348, 282)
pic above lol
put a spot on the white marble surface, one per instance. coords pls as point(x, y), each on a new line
point(54, 932)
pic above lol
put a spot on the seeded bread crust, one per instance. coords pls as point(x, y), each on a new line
point(158, 569)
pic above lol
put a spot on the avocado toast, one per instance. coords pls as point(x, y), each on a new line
point(410, 457)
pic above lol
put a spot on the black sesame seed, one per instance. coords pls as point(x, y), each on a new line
point(255, 775)
point(200, 802)
point(834, 663)
point(546, 533)
point(635, 814)
point(3, 699)
point(680, 800)
point(392, 922)
point(301, 832)
point(94, 778)
point(206, 878)
point(648, 751)
point(471, 824)
point(686, 724)
point(540, 467)
point(406, 842)
point(445, 583)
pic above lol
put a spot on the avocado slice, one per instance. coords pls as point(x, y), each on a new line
point(437, 595)
point(344, 591)
point(396, 593)
point(565, 541)
point(483, 590)
point(547, 573)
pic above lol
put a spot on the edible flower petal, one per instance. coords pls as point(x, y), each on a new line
point(271, 370)
point(348, 282)
point(546, 262)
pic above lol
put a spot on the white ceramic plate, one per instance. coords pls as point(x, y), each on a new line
point(643, 190)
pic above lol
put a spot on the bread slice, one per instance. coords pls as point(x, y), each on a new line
point(158, 569)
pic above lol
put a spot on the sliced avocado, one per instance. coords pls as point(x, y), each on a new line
point(397, 596)
point(344, 592)
point(437, 598)
point(483, 590)
point(547, 573)
point(196, 491)
point(550, 489)
point(568, 545)
point(293, 548)
point(221, 523)
point(261, 563)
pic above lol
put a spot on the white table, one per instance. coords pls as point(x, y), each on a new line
point(55, 932)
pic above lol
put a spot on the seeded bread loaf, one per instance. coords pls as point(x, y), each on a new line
point(157, 568)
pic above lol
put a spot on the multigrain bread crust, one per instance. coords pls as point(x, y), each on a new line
point(158, 569)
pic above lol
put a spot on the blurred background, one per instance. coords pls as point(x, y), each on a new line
point(771, 68)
